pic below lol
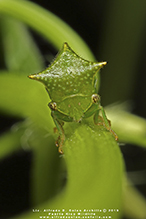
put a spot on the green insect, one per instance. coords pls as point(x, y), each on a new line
point(72, 83)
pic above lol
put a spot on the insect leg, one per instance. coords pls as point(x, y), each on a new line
point(98, 120)
point(104, 121)
point(60, 129)
point(96, 115)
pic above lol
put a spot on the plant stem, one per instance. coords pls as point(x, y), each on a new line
point(47, 24)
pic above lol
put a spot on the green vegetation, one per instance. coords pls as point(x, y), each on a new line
point(92, 158)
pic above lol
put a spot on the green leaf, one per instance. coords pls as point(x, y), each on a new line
point(9, 143)
point(47, 24)
point(24, 98)
point(20, 51)
point(94, 170)
point(45, 180)
point(130, 128)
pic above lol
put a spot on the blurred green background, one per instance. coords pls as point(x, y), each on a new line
point(116, 32)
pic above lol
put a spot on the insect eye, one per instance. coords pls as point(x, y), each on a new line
point(95, 98)
point(53, 106)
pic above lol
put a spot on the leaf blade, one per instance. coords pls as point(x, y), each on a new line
point(129, 127)
point(19, 96)
point(47, 24)
point(96, 184)
point(20, 51)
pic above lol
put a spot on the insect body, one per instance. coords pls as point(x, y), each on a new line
point(72, 83)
